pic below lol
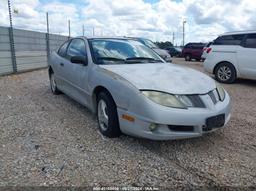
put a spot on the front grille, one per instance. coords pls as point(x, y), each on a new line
point(214, 96)
point(181, 128)
point(196, 101)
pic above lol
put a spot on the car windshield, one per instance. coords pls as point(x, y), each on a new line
point(149, 43)
point(121, 51)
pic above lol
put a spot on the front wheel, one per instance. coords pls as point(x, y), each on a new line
point(225, 73)
point(53, 85)
point(107, 115)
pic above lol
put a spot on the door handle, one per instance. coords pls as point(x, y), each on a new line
point(61, 64)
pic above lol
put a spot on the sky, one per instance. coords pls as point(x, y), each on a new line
point(157, 20)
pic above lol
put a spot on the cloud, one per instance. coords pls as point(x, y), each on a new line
point(157, 21)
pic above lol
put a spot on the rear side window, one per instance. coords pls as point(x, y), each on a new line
point(188, 46)
point(198, 46)
point(229, 40)
point(250, 41)
point(195, 46)
point(63, 49)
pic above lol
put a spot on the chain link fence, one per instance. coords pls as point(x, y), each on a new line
point(23, 50)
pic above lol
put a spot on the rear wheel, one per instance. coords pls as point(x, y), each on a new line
point(107, 115)
point(53, 85)
point(187, 57)
point(225, 73)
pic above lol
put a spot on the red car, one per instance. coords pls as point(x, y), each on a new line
point(193, 51)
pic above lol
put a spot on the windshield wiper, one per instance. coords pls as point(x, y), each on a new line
point(130, 60)
point(142, 58)
point(111, 58)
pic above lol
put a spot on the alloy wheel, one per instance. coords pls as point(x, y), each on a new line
point(53, 83)
point(102, 115)
point(224, 73)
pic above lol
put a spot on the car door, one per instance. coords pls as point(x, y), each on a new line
point(58, 66)
point(76, 75)
point(193, 50)
point(247, 57)
point(198, 51)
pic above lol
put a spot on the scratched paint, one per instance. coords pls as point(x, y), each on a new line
point(164, 77)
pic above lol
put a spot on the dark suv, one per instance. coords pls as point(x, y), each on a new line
point(193, 51)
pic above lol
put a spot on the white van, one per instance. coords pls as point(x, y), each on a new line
point(231, 56)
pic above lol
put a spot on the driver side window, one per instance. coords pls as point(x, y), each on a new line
point(63, 49)
point(76, 48)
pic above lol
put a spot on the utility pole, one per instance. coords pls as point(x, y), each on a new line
point(47, 22)
point(83, 30)
point(68, 28)
point(173, 38)
point(183, 27)
point(92, 31)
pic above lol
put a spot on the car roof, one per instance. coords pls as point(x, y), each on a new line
point(132, 37)
point(103, 37)
point(238, 32)
point(196, 43)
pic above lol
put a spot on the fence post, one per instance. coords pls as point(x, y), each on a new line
point(47, 47)
point(14, 64)
point(47, 40)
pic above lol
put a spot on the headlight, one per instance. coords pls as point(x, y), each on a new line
point(164, 99)
point(220, 91)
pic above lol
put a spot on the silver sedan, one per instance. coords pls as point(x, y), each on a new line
point(134, 91)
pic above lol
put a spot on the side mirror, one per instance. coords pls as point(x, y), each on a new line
point(79, 60)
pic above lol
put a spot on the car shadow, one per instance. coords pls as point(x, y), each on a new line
point(82, 109)
point(161, 148)
point(155, 145)
point(247, 82)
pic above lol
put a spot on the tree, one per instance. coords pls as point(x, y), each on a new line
point(164, 45)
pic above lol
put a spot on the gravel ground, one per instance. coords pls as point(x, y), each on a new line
point(48, 140)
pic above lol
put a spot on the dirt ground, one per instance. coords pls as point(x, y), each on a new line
point(49, 140)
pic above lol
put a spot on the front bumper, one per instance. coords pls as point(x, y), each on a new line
point(166, 117)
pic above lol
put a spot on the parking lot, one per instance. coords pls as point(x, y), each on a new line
point(52, 140)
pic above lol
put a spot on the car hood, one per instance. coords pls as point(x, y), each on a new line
point(164, 77)
point(161, 52)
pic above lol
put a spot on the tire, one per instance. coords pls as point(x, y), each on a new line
point(198, 60)
point(188, 57)
point(53, 85)
point(107, 115)
point(225, 73)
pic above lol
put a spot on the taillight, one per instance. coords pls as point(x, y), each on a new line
point(208, 50)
